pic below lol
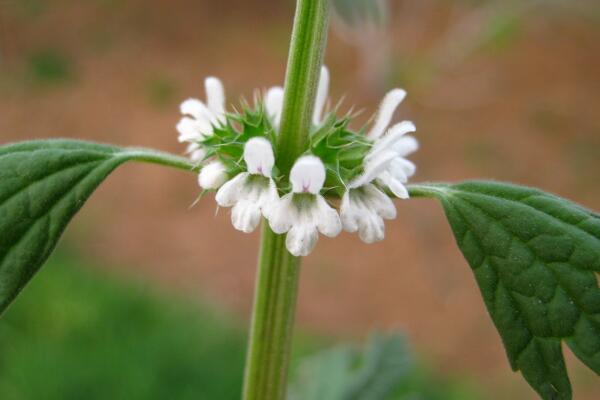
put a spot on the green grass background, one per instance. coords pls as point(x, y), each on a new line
point(77, 333)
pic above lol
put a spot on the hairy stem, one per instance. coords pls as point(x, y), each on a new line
point(276, 292)
point(272, 320)
point(302, 77)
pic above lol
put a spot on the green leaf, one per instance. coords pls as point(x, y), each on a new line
point(42, 186)
point(345, 373)
point(535, 257)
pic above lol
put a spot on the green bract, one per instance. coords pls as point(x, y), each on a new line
point(341, 149)
point(228, 140)
point(535, 257)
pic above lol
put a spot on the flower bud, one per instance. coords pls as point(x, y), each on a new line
point(212, 176)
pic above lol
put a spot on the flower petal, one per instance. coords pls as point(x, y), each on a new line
point(212, 176)
point(259, 157)
point(196, 152)
point(196, 109)
point(372, 229)
point(393, 136)
point(364, 209)
point(274, 104)
point(188, 130)
point(322, 93)
point(282, 215)
point(372, 168)
point(395, 170)
point(380, 202)
point(307, 175)
point(301, 239)
point(229, 194)
point(215, 97)
point(407, 166)
point(245, 216)
point(348, 213)
point(269, 199)
point(388, 106)
point(397, 187)
point(406, 146)
point(327, 219)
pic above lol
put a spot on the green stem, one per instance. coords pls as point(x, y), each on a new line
point(431, 190)
point(159, 157)
point(276, 292)
point(272, 320)
point(302, 77)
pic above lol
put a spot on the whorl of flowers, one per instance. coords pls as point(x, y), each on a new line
point(236, 152)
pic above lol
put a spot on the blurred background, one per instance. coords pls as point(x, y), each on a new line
point(150, 297)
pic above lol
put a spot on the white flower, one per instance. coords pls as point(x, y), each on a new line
point(196, 152)
point(200, 118)
point(254, 192)
point(212, 176)
point(364, 206)
point(304, 212)
point(386, 161)
point(322, 93)
point(388, 106)
point(274, 105)
point(363, 210)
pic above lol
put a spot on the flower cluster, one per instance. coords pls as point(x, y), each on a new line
point(237, 158)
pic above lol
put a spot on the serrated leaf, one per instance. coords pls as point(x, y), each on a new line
point(535, 257)
point(42, 186)
point(345, 373)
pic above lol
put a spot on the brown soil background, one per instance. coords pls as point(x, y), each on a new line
point(528, 113)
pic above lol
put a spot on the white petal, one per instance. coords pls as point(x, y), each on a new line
point(193, 130)
point(259, 157)
point(301, 239)
point(192, 147)
point(397, 187)
point(196, 109)
point(282, 215)
point(245, 216)
point(363, 210)
point(388, 106)
point(348, 214)
point(269, 200)
point(372, 229)
point(373, 168)
point(188, 130)
point(395, 170)
point(215, 97)
point(274, 104)
point(393, 136)
point(196, 153)
point(231, 191)
point(405, 146)
point(327, 219)
point(402, 128)
point(380, 202)
point(212, 176)
point(322, 93)
point(307, 175)
point(407, 166)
